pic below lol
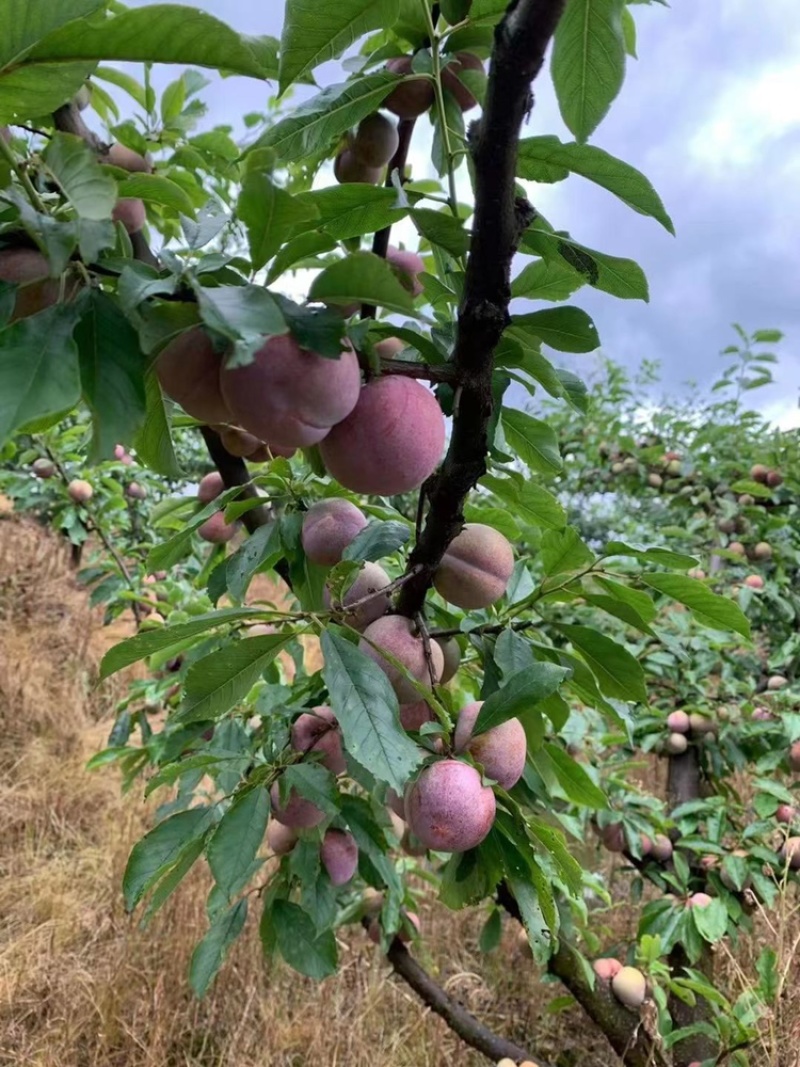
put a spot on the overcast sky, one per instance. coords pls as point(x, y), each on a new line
point(710, 112)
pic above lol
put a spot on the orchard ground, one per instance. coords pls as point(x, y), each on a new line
point(81, 983)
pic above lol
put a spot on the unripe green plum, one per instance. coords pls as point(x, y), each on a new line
point(701, 724)
point(407, 266)
point(399, 637)
point(376, 140)
point(790, 853)
point(43, 468)
point(676, 744)
point(210, 487)
point(125, 158)
point(476, 568)
point(371, 582)
point(617, 468)
point(31, 272)
point(451, 78)
point(448, 808)
point(297, 812)
point(136, 491)
point(411, 98)
point(80, 491)
point(655, 481)
point(291, 396)
point(776, 681)
point(392, 440)
point(678, 722)
point(131, 213)
point(189, 372)
point(754, 581)
point(280, 839)
point(328, 528)
point(215, 530)
point(606, 968)
point(629, 986)
point(661, 850)
point(763, 550)
point(501, 750)
point(698, 900)
point(318, 731)
point(339, 855)
point(451, 650)
point(414, 716)
point(348, 169)
point(794, 756)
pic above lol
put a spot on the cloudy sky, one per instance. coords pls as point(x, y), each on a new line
point(711, 113)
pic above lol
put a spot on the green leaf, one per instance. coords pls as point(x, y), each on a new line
point(641, 602)
point(588, 62)
point(662, 556)
point(574, 780)
point(237, 839)
point(25, 22)
point(546, 279)
point(443, 229)
point(261, 547)
point(315, 783)
point(159, 850)
point(37, 89)
point(709, 609)
point(619, 610)
point(532, 504)
point(532, 440)
point(309, 952)
point(366, 707)
point(567, 329)
point(315, 31)
point(270, 214)
point(345, 211)
point(314, 125)
point(377, 540)
point(210, 953)
point(153, 442)
point(563, 551)
point(547, 158)
point(157, 33)
point(298, 251)
point(156, 189)
point(365, 278)
point(221, 679)
point(150, 641)
point(620, 277)
point(618, 673)
point(247, 315)
point(72, 166)
point(491, 932)
point(39, 373)
point(112, 374)
point(525, 892)
point(519, 695)
point(711, 921)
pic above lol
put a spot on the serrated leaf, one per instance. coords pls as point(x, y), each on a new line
point(112, 374)
point(588, 62)
point(362, 278)
point(261, 547)
point(443, 229)
point(709, 608)
point(156, 189)
point(519, 695)
point(270, 215)
point(711, 921)
point(73, 166)
point(159, 850)
point(377, 540)
point(574, 780)
point(618, 673)
point(366, 707)
point(315, 31)
point(350, 210)
point(567, 329)
point(153, 442)
point(210, 953)
point(533, 440)
point(640, 601)
point(620, 277)
point(546, 279)
point(563, 551)
point(237, 839)
point(314, 782)
point(542, 157)
point(305, 949)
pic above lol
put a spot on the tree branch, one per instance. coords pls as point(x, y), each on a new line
point(500, 218)
point(460, 1021)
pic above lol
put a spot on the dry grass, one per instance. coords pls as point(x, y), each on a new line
point(82, 986)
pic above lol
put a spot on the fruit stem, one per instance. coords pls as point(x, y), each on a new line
point(441, 110)
point(22, 173)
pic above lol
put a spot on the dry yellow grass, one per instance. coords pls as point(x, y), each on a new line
point(82, 986)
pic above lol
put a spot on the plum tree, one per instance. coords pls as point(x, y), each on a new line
point(448, 808)
point(188, 370)
point(289, 395)
point(347, 167)
point(297, 812)
point(339, 855)
point(451, 78)
point(216, 530)
point(328, 528)
point(371, 582)
point(399, 637)
point(375, 141)
point(411, 98)
point(391, 442)
point(501, 750)
point(476, 568)
point(131, 213)
point(318, 731)
point(80, 490)
point(210, 487)
point(606, 968)
point(281, 839)
point(407, 266)
point(29, 270)
point(629, 986)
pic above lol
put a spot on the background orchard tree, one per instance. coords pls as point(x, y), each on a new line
point(500, 638)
